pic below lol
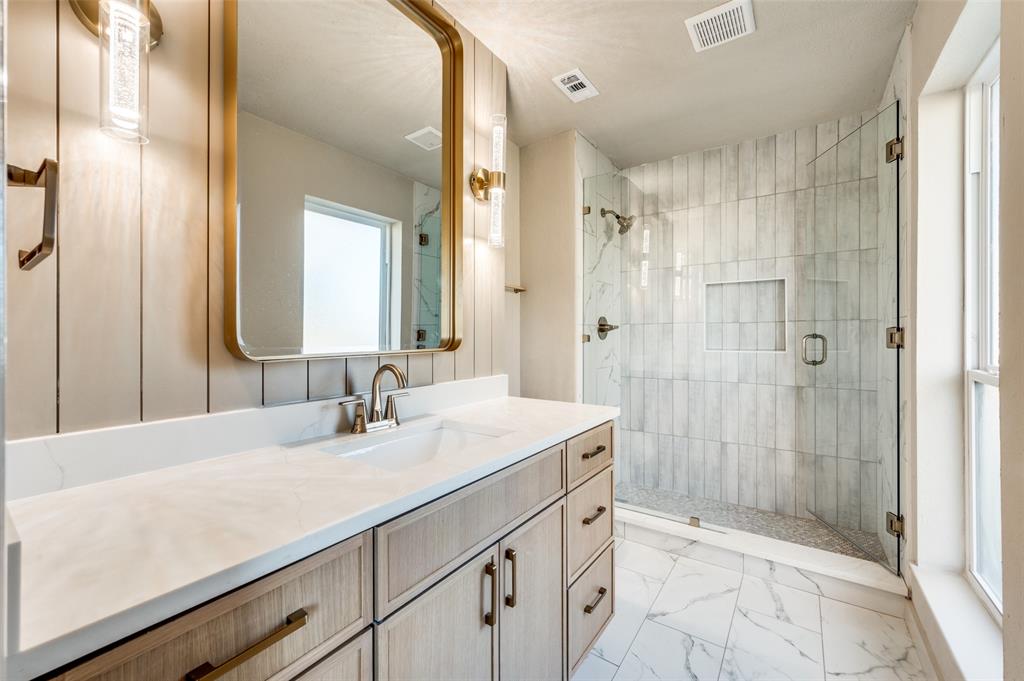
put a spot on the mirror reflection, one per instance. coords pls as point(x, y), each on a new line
point(339, 179)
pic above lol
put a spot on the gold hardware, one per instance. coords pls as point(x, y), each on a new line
point(482, 181)
point(491, 570)
point(591, 519)
point(597, 452)
point(510, 555)
point(88, 12)
point(586, 210)
point(590, 607)
point(207, 672)
point(694, 521)
point(586, 338)
point(894, 524)
point(894, 150)
point(515, 288)
point(894, 337)
point(442, 29)
point(603, 327)
point(47, 178)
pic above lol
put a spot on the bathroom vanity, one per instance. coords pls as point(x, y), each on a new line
point(475, 543)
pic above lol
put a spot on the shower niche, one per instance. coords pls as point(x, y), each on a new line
point(745, 315)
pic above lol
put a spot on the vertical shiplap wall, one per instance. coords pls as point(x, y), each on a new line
point(125, 322)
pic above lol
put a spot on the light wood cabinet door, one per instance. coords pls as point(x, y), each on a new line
point(588, 453)
point(532, 627)
point(590, 520)
point(351, 662)
point(591, 601)
point(450, 632)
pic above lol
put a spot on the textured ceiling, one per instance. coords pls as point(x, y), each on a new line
point(808, 61)
point(355, 74)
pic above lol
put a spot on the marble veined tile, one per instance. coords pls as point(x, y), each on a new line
point(761, 647)
point(780, 602)
point(825, 586)
point(595, 669)
point(698, 599)
point(863, 644)
point(663, 653)
point(645, 559)
point(634, 594)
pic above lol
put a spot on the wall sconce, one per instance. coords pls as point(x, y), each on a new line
point(489, 185)
point(127, 30)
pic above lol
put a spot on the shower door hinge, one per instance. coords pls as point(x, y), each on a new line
point(586, 210)
point(894, 337)
point(586, 338)
point(894, 150)
point(894, 524)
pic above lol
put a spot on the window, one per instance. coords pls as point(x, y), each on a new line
point(984, 546)
point(345, 283)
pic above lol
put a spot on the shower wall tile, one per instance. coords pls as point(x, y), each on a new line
point(748, 475)
point(731, 473)
point(825, 219)
point(785, 417)
point(825, 421)
point(785, 161)
point(765, 479)
point(666, 415)
point(747, 396)
point(730, 412)
point(848, 424)
point(695, 235)
point(806, 142)
point(848, 151)
point(713, 232)
point(713, 470)
point(869, 145)
point(651, 412)
point(765, 226)
point(665, 186)
point(848, 285)
point(803, 222)
point(746, 154)
point(868, 426)
point(636, 456)
point(679, 182)
point(869, 520)
point(848, 216)
point(747, 229)
point(785, 482)
point(650, 185)
point(680, 465)
point(651, 460)
point(696, 469)
point(825, 163)
point(765, 152)
point(825, 487)
point(765, 435)
point(713, 411)
point(785, 225)
point(680, 407)
point(680, 351)
point(696, 409)
point(666, 464)
point(695, 179)
point(712, 176)
point(730, 172)
point(868, 213)
point(730, 224)
point(848, 488)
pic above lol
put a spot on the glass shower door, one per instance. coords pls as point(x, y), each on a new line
point(848, 378)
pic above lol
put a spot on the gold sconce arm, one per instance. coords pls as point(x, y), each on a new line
point(482, 181)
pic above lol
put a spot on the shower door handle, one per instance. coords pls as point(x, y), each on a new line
point(824, 349)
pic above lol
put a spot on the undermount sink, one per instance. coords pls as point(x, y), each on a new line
point(402, 449)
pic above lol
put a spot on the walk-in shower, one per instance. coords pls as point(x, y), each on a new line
point(752, 298)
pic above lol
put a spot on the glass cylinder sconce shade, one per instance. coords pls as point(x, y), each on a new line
point(496, 194)
point(124, 69)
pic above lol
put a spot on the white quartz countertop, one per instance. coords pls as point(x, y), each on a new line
point(103, 561)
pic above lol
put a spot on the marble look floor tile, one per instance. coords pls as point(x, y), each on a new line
point(663, 653)
point(707, 553)
point(761, 647)
point(780, 602)
point(823, 585)
point(595, 669)
point(644, 559)
point(864, 644)
point(634, 595)
point(658, 540)
point(698, 599)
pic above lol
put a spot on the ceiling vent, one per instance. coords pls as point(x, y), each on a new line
point(720, 25)
point(426, 138)
point(575, 85)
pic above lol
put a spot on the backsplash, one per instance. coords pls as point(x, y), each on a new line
point(126, 323)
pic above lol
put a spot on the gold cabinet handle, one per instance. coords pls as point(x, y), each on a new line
point(600, 512)
point(590, 607)
point(46, 178)
point(510, 555)
point(491, 570)
point(598, 451)
point(207, 672)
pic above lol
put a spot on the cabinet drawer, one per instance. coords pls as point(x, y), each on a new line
point(332, 587)
point(417, 549)
point(351, 662)
point(591, 606)
point(588, 452)
point(590, 520)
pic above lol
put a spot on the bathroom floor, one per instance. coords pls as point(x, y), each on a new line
point(679, 618)
point(803, 531)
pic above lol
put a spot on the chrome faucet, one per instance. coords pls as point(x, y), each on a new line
point(378, 420)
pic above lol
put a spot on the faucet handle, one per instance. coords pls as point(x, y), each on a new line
point(359, 423)
point(390, 409)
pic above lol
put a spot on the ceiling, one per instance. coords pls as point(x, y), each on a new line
point(808, 61)
point(357, 75)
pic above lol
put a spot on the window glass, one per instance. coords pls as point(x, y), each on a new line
point(988, 559)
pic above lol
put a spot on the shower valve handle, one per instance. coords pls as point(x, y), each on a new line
point(603, 327)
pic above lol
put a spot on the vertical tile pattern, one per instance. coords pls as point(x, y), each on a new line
point(776, 238)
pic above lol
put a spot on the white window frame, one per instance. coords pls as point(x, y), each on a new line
point(980, 366)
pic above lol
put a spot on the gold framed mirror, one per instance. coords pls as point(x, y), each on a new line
point(343, 199)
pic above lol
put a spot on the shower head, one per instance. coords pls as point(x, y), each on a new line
point(624, 222)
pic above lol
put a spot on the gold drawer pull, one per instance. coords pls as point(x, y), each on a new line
point(598, 451)
point(491, 570)
point(591, 519)
point(207, 672)
point(510, 555)
point(587, 609)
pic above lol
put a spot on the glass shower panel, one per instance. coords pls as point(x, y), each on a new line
point(847, 371)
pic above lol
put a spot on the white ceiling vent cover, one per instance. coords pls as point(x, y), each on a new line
point(720, 25)
point(575, 85)
point(428, 138)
